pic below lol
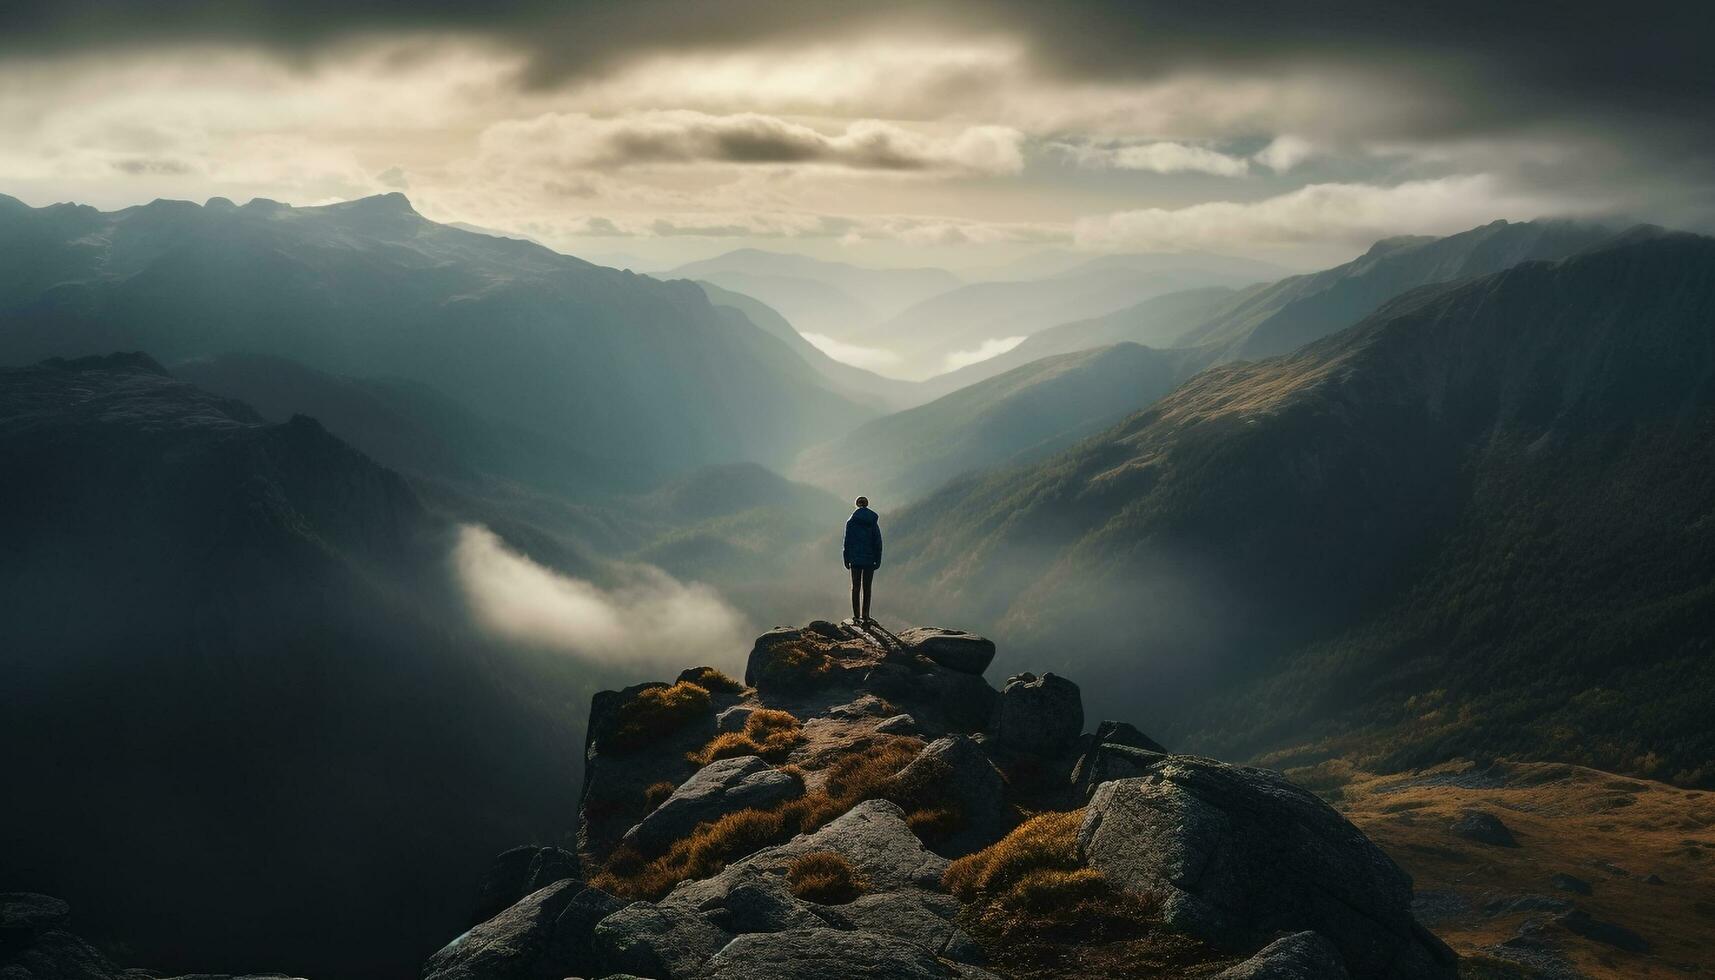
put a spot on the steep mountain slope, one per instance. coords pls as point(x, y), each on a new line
point(1479, 521)
point(250, 727)
point(1157, 322)
point(734, 524)
point(856, 384)
point(409, 426)
point(1285, 315)
point(1026, 413)
point(617, 365)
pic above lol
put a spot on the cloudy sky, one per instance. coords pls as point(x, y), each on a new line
point(959, 133)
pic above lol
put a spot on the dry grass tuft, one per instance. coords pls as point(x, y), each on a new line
point(862, 775)
point(768, 733)
point(712, 679)
point(796, 666)
point(1031, 882)
point(657, 794)
point(656, 712)
point(825, 877)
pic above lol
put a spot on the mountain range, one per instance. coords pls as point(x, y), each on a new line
point(614, 365)
point(1478, 521)
point(912, 452)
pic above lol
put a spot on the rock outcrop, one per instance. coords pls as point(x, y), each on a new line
point(872, 763)
point(712, 792)
point(1300, 956)
point(954, 649)
point(537, 938)
point(1038, 714)
point(1235, 855)
point(518, 872)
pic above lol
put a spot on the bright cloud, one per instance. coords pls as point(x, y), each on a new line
point(1285, 152)
point(870, 358)
point(1162, 157)
point(656, 620)
point(1350, 213)
point(993, 347)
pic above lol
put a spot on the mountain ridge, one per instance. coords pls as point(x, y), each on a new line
point(534, 338)
point(1346, 460)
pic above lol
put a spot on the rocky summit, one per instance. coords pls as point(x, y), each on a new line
point(864, 804)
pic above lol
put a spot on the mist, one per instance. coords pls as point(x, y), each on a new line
point(655, 620)
point(993, 347)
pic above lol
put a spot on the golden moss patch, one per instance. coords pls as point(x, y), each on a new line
point(1031, 882)
point(825, 877)
point(768, 733)
point(656, 712)
point(794, 666)
point(713, 680)
point(864, 774)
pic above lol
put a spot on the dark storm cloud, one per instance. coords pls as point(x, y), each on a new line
point(1634, 77)
point(1513, 60)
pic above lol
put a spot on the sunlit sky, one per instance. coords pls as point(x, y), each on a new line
point(957, 134)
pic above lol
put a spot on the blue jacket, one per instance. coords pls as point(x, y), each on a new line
point(863, 539)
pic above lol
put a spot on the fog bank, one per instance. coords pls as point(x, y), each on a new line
point(655, 620)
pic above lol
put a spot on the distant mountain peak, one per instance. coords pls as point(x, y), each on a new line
point(392, 203)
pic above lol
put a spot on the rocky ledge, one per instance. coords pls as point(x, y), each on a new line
point(864, 804)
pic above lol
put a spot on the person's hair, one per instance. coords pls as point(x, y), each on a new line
point(863, 501)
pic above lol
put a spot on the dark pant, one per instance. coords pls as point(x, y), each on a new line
point(861, 578)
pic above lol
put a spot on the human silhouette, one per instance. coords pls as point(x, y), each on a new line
point(862, 556)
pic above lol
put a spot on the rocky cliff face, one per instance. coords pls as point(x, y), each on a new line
point(865, 804)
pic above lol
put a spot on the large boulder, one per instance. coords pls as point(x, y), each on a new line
point(872, 836)
point(675, 937)
point(1300, 956)
point(1125, 733)
point(957, 650)
point(719, 788)
point(1237, 855)
point(27, 913)
point(618, 772)
point(920, 917)
point(518, 872)
point(669, 941)
point(938, 699)
point(1104, 762)
point(35, 943)
point(955, 775)
point(544, 936)
point(827, 954)
point(1039, 715)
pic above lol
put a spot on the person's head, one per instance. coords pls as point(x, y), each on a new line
point(863, 501)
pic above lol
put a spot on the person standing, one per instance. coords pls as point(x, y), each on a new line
point(862, 556)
